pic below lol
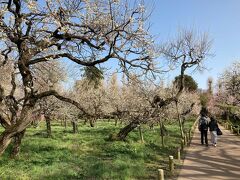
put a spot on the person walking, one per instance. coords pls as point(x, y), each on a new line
point(203, 126)
point(213, 131)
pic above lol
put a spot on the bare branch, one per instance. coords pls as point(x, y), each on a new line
point(74, 59)
point(62, 98)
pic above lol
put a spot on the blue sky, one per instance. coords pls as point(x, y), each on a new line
point(219, 18)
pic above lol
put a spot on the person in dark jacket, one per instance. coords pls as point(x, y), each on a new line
point(203, 126)
point(213, 130)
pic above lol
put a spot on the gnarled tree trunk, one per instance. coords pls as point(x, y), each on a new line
point(16, 144)
point(124, 131)
point(5, 140)
point(19, 127)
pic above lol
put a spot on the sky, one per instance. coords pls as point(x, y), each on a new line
point(219, 18)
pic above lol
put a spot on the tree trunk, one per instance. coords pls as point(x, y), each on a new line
point(61, 122)
point(5, 140)
point(162, 133)
point(180, 122)
point(140, 133)
point(65, 122)
point(75, 127)
point(16, 144)
point(92, 122)
point(116, 121)
point(124, 132)
point(20, 126)
point(227, 114)
point(48, 125)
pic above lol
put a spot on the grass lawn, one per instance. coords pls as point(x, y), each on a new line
point(87, 155)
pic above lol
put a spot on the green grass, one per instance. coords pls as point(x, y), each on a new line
point(87, 155)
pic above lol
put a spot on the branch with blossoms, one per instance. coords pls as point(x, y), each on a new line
point(86, 33)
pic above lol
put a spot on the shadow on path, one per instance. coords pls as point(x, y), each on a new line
point(212, 163)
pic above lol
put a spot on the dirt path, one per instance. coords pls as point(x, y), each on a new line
point(212, 163)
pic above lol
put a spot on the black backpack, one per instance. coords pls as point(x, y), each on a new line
point(203, 123)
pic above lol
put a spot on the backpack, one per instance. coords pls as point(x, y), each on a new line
point(203, 123)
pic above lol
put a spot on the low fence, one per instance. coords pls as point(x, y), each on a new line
point(186, 141)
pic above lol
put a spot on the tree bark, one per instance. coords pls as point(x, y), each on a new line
point(124, 132)
point(16, 144)
point(75, 127)
point(162, 133)
point(92, 122)
point(48, 125)
point(140, 133)
point(180, 121)
point(20, 126)
point(5, 140)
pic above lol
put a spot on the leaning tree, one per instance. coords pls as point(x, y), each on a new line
point(87, 33)
point(187, 52)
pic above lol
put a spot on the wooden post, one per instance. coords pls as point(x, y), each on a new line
point(231, 129)
point(160, 174)
point(179, 154)
point(171, 164)
point(238, 128)
point(182, 144)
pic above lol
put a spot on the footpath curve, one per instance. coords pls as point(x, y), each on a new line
point(212, 163)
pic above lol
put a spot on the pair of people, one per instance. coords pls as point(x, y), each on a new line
point(204, 124)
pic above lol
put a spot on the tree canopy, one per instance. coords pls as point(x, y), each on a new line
point(189, 83)
point(36, 36)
